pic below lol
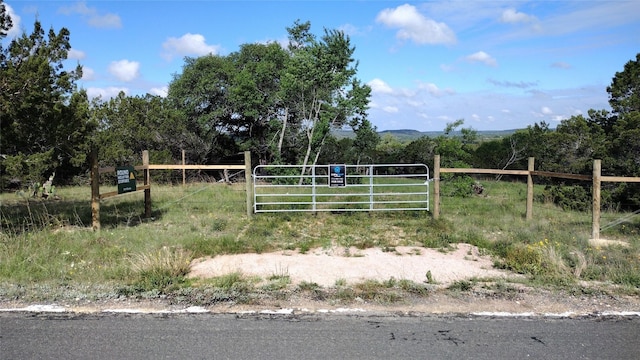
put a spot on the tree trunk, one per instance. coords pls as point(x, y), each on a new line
point(284, 129)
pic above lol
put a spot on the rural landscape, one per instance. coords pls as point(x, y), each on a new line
point(303, 105)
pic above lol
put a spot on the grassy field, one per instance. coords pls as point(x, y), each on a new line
point(48, 250)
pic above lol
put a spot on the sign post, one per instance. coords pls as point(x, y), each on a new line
point(337, 175)
point(126, 179)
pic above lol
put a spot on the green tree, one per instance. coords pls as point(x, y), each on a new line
point(201, 96)
point(131, 124)
point(420, 151)
point(321, 88)
point(5, 22)
point(455, 149)
point(575, 143)
point(624, 91)
point(365, 143)
point(43, 119)
point(255, 97)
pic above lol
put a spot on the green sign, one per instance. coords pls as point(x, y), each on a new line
point(126, 179)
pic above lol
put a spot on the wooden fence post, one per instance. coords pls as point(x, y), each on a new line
point(147, 182)
point(248, 179)
point(436, 186)
point(597, 172)
point(531, 168)
point(95, 190)
point(184, 171)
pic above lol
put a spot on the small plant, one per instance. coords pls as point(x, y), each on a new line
point(218, 225)
point(429, 278)
point(228, 281)
point(413, 288)
point(161, 270)
point(280, 273)
point(461, 285)
point(308, 286)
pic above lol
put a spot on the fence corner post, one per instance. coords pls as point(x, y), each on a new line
point(95, 189)
point(147, 183)
point(531, 168)
point(436, 187)
point(248, 182)
point(597, 172)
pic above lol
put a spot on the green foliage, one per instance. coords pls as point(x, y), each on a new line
point(568, 197)
point(624, 91)
point(461, 285)
point(460, 186)
point(523, 259)
point(43, 118)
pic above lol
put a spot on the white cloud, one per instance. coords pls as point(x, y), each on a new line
point(92, 16)
point(125, 70)
point(415, 27)
point(434, 90)
point(349, 29)
point(161, 91)
point(482, 57)
point(88, 74)
point(447, 67)
point(592, 15)
point(561, 65)
point(105, 93)
point(379, 86)
point(15, 20)
point(512, 16)
point(188, 44)
point(546, 110)
point(76, 54)
point(390, 109)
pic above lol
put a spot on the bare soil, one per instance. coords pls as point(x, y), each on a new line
point(326, 267)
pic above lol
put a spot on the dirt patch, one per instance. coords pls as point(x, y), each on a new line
point(326, 266)
point(351, 266)
point(607, 242)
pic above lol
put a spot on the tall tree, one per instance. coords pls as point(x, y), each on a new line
point(624, 91)
point(43, 120)
point(201, 95)
point(130, 124)
point(5, 22)
point(322, 87)
point(255, 96)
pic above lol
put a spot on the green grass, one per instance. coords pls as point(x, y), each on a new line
point(50, 242)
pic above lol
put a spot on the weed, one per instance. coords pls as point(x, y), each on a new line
point(461, 285)
point(308, 286)
point(160, 270)
point(430, 279)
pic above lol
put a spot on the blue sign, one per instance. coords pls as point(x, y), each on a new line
point(337, 175)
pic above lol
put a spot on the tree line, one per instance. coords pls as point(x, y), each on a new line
point(279, 102)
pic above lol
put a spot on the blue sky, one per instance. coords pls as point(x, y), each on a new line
point(496, 64)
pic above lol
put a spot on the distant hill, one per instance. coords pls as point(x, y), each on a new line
point(410, 135)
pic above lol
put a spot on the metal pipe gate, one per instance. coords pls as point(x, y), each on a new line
point(339, 187)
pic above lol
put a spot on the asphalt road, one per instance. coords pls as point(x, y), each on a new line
point(313, 336)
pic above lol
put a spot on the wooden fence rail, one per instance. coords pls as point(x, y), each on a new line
point(597, 179)
point(96, 196)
